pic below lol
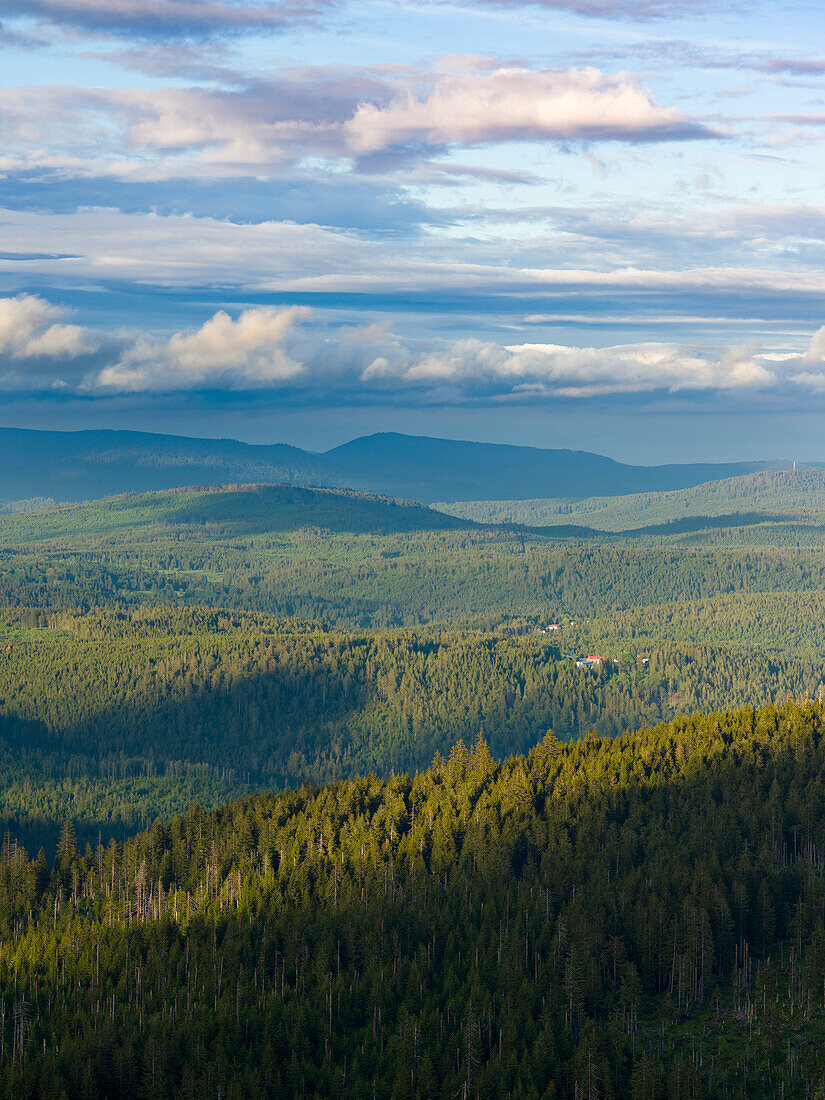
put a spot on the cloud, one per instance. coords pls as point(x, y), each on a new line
point(20, 40)
point(338, 114)
point(794, 66)
point(368, 204)
point(564, 270)
point(266, 349)
point(518, 104)
point(165, 19)
point(616, 9)
point(521, 371)
point(683, 53)
point(817, 119)
point(32, 328)
point(808, 371)
point(731, 231)
point(181, 133)
point(180, 250)
point(815, 353)
point(292, 351)
point(251, 351)
point(209, 19)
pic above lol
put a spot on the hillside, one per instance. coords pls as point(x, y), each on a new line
point(117, 717)
point(763, 495)
point(353, 560)
point(86, 465)
point(229, 511)
point(629, 917)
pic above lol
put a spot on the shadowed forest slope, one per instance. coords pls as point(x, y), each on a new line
point(644, 911)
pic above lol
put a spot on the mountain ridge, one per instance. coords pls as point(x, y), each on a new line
point(91, 464)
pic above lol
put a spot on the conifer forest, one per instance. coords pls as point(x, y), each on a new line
point(316, 793)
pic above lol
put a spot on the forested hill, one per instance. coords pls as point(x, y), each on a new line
point(86, 465)
point(630, 917)
point(321, 554)
point(251, 508)
point(766, 495)
point(132, 704)
point(231, 510)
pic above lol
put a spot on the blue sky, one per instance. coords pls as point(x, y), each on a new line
point(595, 224)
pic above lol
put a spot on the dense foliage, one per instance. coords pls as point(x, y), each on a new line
point(769, 622)
point(639, 916)
point(116, 718)
point(355, 561)
point(627, 909)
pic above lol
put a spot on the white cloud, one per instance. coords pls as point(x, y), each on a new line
point(288, 348)
point(561, 371)
point(808, 372)
point(32, 328)
point(815, 354)
point(251, 351)
point(516, 103)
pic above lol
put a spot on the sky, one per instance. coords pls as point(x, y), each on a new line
point(596, 224)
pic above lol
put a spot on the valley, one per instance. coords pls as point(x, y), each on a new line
point(324, 785)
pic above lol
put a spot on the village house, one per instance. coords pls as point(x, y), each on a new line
point(590, 662)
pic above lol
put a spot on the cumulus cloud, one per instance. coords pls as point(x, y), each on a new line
point(167, 18)
point(32, 328)
point(483, 370)
point(515, 103)
point(553, 370)
point(250, 351)
point(285, 349)
point(293, 351)
point(815, 353)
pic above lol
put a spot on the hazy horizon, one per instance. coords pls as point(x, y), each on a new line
point(327, 441)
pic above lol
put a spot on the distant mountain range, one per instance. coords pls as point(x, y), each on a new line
point(87, 465)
